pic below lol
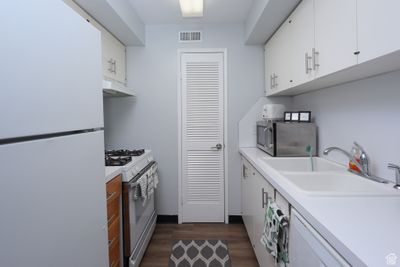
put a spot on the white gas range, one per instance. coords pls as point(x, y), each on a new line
point(139, 170)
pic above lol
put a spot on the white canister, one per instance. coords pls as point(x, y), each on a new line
point(273, 111)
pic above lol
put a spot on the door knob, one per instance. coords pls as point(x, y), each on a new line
point(218, 147)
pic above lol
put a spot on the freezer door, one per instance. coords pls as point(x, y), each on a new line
point(50, 76)
point(53, 203)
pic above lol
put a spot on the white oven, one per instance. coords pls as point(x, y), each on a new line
point(139, 215)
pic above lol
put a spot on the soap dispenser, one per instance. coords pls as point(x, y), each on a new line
point(356, 153)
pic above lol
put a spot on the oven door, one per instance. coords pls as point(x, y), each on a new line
point(137, 214)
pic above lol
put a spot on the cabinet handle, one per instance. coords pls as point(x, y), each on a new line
point(113, 263)
point(111, 242)
point(110, 63)
point(315, 53)
point(264, 198)
point(110, 219)
point(275, 80)
point(110, 195)
point(244, 171)
point(115, 66)
point(306, 59)
point(271, 83)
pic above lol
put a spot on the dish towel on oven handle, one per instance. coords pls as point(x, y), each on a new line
point(150, 184)
point(275, 236)
point(154, 172)
point(141, 189)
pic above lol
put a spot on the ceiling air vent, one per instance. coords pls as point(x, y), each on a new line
point(190, 36)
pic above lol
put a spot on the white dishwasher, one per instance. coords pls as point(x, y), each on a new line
point(308, 248)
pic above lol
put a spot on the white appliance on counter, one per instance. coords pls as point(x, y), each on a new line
point(273, 111)
point(52, 191)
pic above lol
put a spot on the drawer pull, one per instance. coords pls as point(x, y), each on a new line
point(110, 195)
point(111, 242)
point(264, 198)
point(113, 263)
point(110, 219)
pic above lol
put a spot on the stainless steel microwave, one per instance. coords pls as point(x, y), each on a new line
point(287, 139)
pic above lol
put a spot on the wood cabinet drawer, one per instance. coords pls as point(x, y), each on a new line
point(113, 253)
point(112, 210)
point(113, 188)
point(113, 232)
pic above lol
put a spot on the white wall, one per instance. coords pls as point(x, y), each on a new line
point(366, 111)
point(151, 120)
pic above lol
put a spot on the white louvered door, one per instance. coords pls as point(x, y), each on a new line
point(202, 181)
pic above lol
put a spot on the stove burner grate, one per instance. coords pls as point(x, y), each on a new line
point(125, 152)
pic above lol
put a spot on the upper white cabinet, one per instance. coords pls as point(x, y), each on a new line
point(335, 36)
point(378, 28)
point(113, 57)
point(301, 38)
point(276, 54)
point(324, 43)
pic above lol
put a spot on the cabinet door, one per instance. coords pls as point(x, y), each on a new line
point(107, 55)
point(120, 65)
point(277, 60)
point(113, 57)
point(378, 24)
point(271, 61)
point(263, 256)
point(335, 36)
point(246, 197)
point(283, 44)
point(301, 31)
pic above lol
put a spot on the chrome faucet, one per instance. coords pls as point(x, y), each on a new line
point(397, 170)
point(362, 163)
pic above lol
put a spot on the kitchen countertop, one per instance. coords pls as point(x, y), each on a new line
point(364, 230)
point(111, 172)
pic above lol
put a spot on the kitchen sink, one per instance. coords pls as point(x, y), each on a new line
point(327, 179)
point(303, 164)
point(338, 184)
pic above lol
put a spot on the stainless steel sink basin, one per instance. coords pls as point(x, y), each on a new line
point(302, 164)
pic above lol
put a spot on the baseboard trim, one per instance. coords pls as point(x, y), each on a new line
point(173, 219)
point(167, 219)
point(235, 219)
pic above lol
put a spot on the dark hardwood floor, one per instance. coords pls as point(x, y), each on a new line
point(159, 249)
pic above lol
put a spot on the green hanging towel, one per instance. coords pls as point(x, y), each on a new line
point(275, 235)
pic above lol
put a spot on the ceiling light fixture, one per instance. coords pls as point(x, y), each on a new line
point(191, 8)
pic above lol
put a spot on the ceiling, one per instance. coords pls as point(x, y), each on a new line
point(168, 11)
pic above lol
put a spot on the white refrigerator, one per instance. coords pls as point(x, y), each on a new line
point(52, 188)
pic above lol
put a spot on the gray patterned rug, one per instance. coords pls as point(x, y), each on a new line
point(199, 253)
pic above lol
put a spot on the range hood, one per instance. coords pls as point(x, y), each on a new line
point(114, 89)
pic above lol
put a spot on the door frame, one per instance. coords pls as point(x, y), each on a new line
point(225, 127)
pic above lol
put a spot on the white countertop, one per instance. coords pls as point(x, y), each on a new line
point(111, 172)
point(364, 230)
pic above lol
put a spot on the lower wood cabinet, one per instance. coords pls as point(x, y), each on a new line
point(113, 189)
